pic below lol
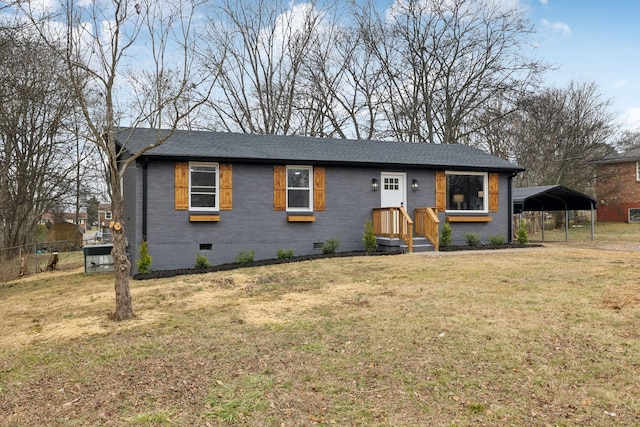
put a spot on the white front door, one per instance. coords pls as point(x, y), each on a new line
point(393, 191)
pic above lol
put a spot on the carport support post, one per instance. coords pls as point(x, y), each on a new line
point(593, 225)
point(542, 224)
point(566, 225)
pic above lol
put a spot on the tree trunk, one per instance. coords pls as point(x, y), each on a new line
point(122, 266)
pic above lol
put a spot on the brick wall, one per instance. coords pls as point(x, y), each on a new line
point(617, 190)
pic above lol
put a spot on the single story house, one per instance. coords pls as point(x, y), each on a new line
point(216, 194)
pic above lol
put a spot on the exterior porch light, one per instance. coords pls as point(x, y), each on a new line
point(375, 184)
point(415, 185)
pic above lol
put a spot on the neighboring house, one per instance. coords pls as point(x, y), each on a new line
point(618, 187)
point(217, 194)
point(70, 217)
point(104, 214)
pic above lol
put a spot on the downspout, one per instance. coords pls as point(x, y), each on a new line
point(145, 164)
point(593, 223)
point(510, 209)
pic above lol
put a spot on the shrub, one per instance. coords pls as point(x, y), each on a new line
point(496, 240)
point(369, 237)
point(445, 236)
point(145, 260)
point(202, 262)
point(522, 237)
point(330, 246)
point(245, 257)
point(283, 253)
point(472, 239)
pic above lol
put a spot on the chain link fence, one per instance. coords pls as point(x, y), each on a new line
point(20, 261)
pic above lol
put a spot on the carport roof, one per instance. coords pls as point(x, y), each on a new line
point(550, 198)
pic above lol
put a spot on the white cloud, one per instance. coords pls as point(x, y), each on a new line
point(631, 119)
point(544, 2)
point(556, 28)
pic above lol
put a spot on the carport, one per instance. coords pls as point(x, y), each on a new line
point(553, 198)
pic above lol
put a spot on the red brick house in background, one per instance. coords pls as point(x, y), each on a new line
point(618, 187)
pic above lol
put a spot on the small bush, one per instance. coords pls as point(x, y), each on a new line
point(472, 239)
point(202, 262)
point(496, 240)
point(445, 236)
point(369, 237)
point(245, 257)
point(330, 246)
point(145, 260)
point(522, 237)
point(283, 253)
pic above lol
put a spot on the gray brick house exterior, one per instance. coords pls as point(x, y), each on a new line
point(246, 215)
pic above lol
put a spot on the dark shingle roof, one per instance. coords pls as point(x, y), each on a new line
point(296, 149)
point(630, 155)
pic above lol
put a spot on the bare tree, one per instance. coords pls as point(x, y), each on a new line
point(338, 91)
point(259, 48)
point(35, 171)
point(99, 42)
point(446, 60)
point(557, 133)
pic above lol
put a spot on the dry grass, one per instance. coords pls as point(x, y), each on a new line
point(544, 336)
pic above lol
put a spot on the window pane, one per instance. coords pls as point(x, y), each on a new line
point(203, 200)
point(298, 178)
point(298, 198)
point(203, 176)
point(465, 192)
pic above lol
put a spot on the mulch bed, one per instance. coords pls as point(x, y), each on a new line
point(234, 265)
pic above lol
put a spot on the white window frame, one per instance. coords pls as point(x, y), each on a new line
point(217, 188)
point(485, 197)
point(637, 171)
point(299, 209)
point(108, 215)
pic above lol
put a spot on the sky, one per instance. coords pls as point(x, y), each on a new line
point(594, 41)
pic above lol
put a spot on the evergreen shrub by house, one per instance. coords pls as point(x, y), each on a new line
point(522, 237)
point(202, 262)
point(472, 239)
point(283, 253)
point(145, 260)
point(369, 237)
point(330, 246)
point(245, 257)
point(445, 235)
point(496, 240)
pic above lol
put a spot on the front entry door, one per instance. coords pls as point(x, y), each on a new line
point(393, 190)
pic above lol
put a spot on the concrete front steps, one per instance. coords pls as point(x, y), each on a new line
point(420, 244)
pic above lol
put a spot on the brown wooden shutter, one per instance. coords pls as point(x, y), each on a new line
point(279, 188)
point(182, 186)
point(318, 189)
point(493, 192)
point(226, 187)
point(441, 190)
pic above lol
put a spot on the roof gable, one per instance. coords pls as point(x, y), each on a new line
point(297, 149)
